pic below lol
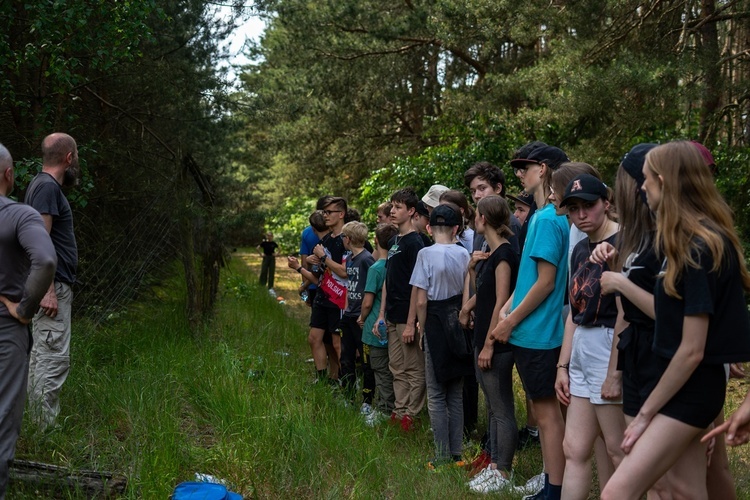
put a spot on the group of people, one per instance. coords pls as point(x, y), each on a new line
point(38, 260)
point(622, 310)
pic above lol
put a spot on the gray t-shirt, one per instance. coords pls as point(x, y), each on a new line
point(46, 196)
point(356, 269)
point(441, 269)
point(27, 258)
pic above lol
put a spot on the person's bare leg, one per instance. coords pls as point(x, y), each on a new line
point(551, 432)
point(719, 480)
point(315, 339)
point(663, 443)
point(581, 430)
point(607, 447)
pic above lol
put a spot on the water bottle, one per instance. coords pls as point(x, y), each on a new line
point(382, 332)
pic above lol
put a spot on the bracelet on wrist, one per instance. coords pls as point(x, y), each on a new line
point(299, 269)
point(563, 365)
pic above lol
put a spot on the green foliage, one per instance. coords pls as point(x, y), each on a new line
point(287, 223)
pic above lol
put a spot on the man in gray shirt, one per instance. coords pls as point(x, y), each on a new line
point(50, 355)
point(27, 266)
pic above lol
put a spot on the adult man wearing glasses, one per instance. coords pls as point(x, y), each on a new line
point(331, 297)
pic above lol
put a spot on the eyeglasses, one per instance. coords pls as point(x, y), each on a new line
point(329, 212)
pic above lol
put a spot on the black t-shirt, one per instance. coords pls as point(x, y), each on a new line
point(334, 246)
point(641, 267)
point(717, 293)
point(401, 259)
point(486, 296)
point(588, 305)
point(426, 240)
point(45, 195)
point(269, 247)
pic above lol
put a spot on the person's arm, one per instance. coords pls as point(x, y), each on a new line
point(420, 306)
point(49, 302)
point(34, 239)
point(562, 382)
point(539, 291)
point(612, 282)
point(502, 292)
point(308, 276)
point(409, 331)
point(686, 359)
point(381, 313)
point(336, 267)
point(612, 386)
point(367, 302)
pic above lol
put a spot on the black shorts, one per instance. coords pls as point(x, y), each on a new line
point(538, 370)
point(641, 367)
point(701, 399)
point(326, 319)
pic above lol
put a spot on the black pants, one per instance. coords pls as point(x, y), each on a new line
point(267, 270)
point(351, 343)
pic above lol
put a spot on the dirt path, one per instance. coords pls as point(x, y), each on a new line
point(286, 284)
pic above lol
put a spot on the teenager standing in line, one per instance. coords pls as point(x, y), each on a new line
point(701, 323)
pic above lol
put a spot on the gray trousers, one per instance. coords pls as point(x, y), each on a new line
point(497, 385)
point(50, 358)
point(383, 378)
point(14, 368)
point(446, 407)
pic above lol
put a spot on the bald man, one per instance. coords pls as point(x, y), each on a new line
point(27, 267)
point(50, 355)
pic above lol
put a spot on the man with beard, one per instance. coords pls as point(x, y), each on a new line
point(27, 266)
point(50, 355)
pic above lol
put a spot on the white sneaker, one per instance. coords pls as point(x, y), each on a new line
point(365, 409)
point(532, 486)
point(373, 418)
point(494, 482)
point(272, 292)
point(481, 477)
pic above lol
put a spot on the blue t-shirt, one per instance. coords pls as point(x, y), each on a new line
point(547, 240)
point(309, 240)
point(374, 284)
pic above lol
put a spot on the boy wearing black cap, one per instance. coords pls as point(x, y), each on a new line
point(420, 220)
point(438, 279)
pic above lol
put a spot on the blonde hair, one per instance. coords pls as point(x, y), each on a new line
point(691, 213)
point(637, 223)
point(356, 232)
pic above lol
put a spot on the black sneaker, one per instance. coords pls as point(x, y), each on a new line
point(526, 439)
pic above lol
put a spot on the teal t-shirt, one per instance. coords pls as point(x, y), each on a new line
point(374, 284)
point(546, 239)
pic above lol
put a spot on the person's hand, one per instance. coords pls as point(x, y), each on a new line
point(292, 262)
point(612, 386)
point(476, 256)
point(604, 253)
point(610, 282)
point(13, 309)
point(360, 321)
point(313, 260)
point(502, 331)
point(736, 370)
point(737, 426)
point(562, 386)
point(634, 431)
point(48, 305)
point(407, 337)
point(485, 357)
point(319, 251)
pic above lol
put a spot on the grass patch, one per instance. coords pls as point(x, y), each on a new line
point(149, 400)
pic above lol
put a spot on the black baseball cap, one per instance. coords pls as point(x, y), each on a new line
point(551, 156)
point(585, 187)
point(421, 209)
point(443, 215)
point(522, 197)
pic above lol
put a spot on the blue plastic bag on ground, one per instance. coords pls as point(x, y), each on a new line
point(203, 491)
